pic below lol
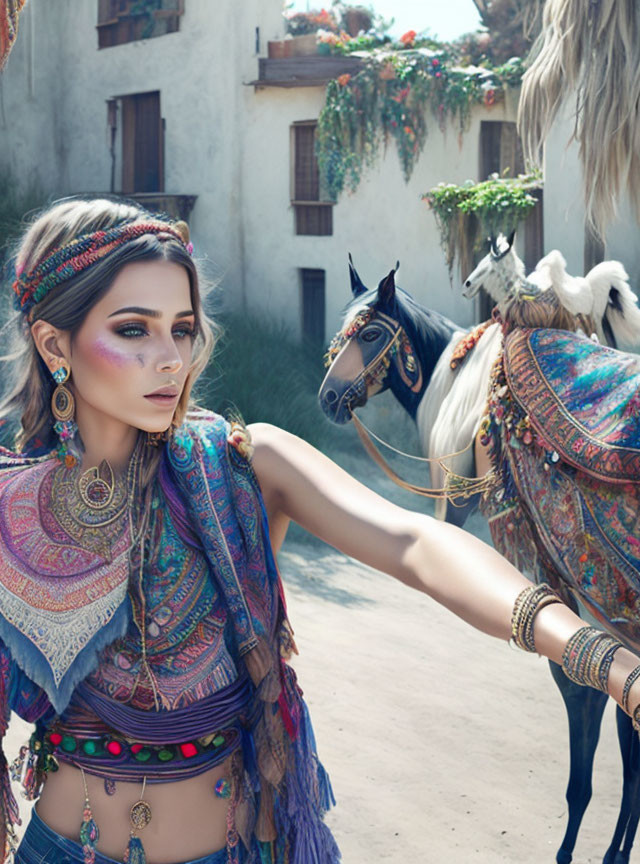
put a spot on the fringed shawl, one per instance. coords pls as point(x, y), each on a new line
point(281, 790)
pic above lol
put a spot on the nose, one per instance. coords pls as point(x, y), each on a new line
point(169, 359)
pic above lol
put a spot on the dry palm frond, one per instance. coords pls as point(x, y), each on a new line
point(590, 48)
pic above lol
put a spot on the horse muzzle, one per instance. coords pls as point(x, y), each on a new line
point(470, 290)
point(337, 402)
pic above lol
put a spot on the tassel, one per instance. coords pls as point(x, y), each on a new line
point(135, 852)
point(266, 853)
point(313, 843)
point(89, 833)
point(327, 798)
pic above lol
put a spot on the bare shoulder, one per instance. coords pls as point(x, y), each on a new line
point(275, 451)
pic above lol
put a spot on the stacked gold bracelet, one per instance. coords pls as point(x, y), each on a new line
point(528, 603)
point(587, 658)
point(632, 677)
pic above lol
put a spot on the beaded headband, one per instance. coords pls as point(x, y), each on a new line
point(78, 255)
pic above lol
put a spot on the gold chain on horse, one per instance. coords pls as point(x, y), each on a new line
point(457, 486)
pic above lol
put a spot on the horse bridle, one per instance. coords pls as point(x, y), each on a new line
point(376, 370)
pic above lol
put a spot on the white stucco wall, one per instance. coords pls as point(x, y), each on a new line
point(229, 144)
point(564, 212)
point(55, 137)
point(383, 221)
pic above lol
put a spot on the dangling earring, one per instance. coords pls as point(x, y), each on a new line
point(63, 408)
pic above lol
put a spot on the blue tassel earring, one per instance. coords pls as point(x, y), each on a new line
point(140, 816)
point(89, 833)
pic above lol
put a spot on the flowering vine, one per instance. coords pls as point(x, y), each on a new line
point(466, 215)
point(392, 96)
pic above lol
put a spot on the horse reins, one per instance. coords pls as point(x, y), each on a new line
point(468, 485)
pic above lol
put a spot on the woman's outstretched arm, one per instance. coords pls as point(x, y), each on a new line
point(452, 566)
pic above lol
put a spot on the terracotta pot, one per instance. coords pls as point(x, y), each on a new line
point(357, 20)
point(275, 50)
point(303, 46)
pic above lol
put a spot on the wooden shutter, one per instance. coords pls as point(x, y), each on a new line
point(534, 233)
point(313, 216)
point(313, 305)
point(117, 25)
point(306, 175)
point(142, 143)
point(500, 149)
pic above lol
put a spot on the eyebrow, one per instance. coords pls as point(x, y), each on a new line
point(149, 313)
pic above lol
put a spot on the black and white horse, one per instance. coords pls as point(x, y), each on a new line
point(388, 341)
point(440, 374)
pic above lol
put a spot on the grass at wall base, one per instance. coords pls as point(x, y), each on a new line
point(261, 372)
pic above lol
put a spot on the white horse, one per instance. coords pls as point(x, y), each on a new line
point(603, 295)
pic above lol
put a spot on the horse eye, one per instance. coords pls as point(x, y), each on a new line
point(370, 335)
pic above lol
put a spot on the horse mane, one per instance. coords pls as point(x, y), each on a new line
point(430, 330)
point(545, 310)
point(592, 50)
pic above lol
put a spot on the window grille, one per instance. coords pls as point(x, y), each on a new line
point(121, 21)
point(313, 212)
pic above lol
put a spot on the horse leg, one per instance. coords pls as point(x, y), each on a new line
point(630, 808)
point(459, 515)
point(585, 707)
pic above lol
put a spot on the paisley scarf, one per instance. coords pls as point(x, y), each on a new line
point(55, 595)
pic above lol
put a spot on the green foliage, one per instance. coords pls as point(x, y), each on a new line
point(262, 373)
point(394, 96)
point(466, 215)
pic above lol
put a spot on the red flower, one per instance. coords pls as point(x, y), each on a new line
point(408, 38)
point(343, 80)
point(438, 74)
point(489, 97)
point(435, 62)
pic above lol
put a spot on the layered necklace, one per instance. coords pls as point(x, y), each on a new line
point(94, 507)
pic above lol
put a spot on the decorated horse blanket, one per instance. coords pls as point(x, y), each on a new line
point(564, 435)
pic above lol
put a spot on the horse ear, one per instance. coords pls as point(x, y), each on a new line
point(387, 288)
point(511, 238)
point(357, 285)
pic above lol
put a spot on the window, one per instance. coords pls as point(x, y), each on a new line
point(313, 304)
point(501, 153)
point(313, 212)
point(142, 143)
point(121, 21)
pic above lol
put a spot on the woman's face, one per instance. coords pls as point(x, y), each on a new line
point(130, 358)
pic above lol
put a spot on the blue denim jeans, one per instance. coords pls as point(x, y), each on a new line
point(41, 845)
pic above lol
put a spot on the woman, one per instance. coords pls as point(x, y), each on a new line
point(143, 623)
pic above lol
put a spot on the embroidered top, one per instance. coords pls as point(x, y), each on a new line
point(216, 621)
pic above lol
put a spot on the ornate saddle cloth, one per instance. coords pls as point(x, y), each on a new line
point(582, 399)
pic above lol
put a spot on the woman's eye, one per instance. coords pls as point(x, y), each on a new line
point(370, 335)
point(131, 331)
point(184, 332)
